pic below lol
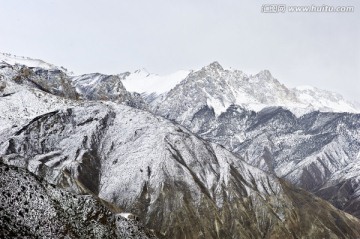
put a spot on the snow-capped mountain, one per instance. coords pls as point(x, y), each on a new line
point(176, 182)
point(312, 150)
point(218, 88)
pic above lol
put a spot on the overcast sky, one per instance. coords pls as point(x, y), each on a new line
point(163, 36)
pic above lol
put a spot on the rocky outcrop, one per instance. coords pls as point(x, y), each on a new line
point(32, 208)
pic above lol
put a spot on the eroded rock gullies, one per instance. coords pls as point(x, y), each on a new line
point(178, 184)
point(77, 136)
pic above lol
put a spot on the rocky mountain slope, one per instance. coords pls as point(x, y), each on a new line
point(58, 82)
point(32, 208)
point(179, 184)
point(318, 151)
point(176, 182)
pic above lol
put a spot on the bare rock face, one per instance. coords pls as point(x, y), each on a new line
point(343, 192)
point(101, 87)
point(2, 85)
point(32, 208)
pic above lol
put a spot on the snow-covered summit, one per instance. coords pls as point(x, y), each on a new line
point(142, 81)
point(214, 66)
point(212, 85)
point(29, 62)
point(218, 88)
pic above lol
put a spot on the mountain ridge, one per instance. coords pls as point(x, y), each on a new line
point(219, 88)
point(174, 167)
point(300, 99)
point(178, 183)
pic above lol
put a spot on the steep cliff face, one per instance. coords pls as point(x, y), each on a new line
point(32, 208)
point(179, 184)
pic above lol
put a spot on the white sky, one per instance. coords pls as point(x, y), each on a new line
point(163, 36)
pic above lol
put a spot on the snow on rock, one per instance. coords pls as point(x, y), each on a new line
point(27, 61)
point(219, 88)
point(305, 135)
point(324, 100)
point(162, 172)
point(57, 82)
point(178, 183)
point(142, 81)
point(21, 103)
point(314, 151)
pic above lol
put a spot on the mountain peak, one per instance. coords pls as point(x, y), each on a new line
point(264, 74)
point(214, 66)
point(143, 71)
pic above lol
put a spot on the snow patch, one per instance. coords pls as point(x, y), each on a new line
point(142, 81)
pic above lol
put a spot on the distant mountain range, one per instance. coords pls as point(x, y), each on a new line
point(211, 153)
point(219, 88)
